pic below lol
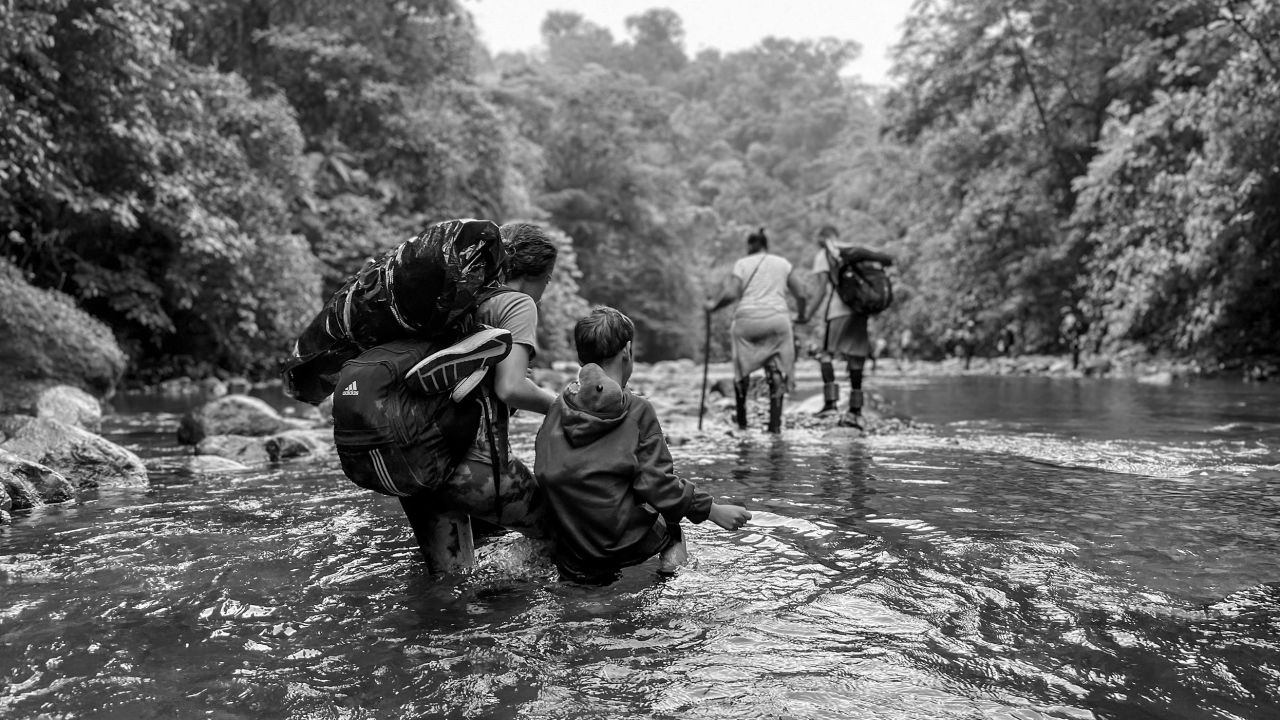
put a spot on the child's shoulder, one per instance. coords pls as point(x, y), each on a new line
point(638, 406)
point(637, 401)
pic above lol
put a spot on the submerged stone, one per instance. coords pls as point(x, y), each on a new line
point(201, 464)
point(231, 415)
point(242, 449)
point(299, 443)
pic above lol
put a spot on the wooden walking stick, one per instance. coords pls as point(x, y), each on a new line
point(706, 363)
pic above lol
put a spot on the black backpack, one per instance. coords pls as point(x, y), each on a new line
point(392, 436)
point(861, 283)
point(427, 288)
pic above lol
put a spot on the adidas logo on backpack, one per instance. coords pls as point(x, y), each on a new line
point(351, 389)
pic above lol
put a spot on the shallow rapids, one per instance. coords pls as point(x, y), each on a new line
point(1037, 549)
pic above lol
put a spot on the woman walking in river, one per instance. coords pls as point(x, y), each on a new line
point(762, 335)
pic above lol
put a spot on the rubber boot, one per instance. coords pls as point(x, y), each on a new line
point(855, 402)
point(853, 418)
point(775, 414)
point(830, 398)
point(777, 392)
point(740, 402)
point(830, 391)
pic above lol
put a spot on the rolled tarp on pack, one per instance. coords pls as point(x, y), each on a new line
point(427, 287)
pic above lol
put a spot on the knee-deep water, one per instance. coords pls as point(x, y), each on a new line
point(1042, 548)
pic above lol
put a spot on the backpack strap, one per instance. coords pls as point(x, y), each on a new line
point(486, 417)
point(752, 277)
point(833, 261)
point(492, 291)
point(833, 266)
point(486, 403)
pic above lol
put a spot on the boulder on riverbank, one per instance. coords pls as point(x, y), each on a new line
point(46, 340)
point(50, 457)
point(85, 459)
point(28, 484)
point(70, 405)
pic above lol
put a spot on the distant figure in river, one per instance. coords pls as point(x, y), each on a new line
point(762, 334)
point(966, 340)
point(1072, 331)
point(845, 334)
point(602, 459)
point(1006, 339)
point(906, 346)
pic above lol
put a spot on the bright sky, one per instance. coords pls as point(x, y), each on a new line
point(728, 25)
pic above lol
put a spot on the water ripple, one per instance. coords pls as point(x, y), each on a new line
point(975, 572)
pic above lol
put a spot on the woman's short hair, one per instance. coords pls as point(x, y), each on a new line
point(530, 253)
point(758, 239)
point(601, 334)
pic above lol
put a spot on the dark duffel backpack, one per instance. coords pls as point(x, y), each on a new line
point(862, 284)
point(392, 436)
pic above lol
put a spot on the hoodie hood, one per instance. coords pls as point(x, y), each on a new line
point(593, 406)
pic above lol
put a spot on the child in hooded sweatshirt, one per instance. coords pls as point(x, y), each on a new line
point(603, 462)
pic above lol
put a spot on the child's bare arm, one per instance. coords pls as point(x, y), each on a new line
point(729, 517)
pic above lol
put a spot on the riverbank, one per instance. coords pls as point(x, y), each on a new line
point(676, 385)
point(1134, 365)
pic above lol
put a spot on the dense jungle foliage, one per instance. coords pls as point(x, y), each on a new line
point(200, 175)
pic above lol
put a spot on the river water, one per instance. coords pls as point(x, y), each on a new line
point(1039, 548)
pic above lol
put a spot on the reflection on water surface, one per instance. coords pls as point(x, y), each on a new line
point(1046, 549)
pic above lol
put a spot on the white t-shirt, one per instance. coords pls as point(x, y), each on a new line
point(763, 279)
point(821, 267)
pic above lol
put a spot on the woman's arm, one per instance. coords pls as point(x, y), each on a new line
point(730, 291)
point(514, 388)
point(822, 278)
point(798, 290)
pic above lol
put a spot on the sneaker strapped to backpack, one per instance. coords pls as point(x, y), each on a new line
point(461, 366)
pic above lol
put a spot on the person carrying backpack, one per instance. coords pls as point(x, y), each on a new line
point(845, 335)
point(490, 483)
point(425, 351)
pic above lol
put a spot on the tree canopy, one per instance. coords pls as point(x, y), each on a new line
point(1115, 157)
point(200, 176)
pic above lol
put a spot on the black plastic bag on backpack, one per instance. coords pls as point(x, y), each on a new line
point(426, 288)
